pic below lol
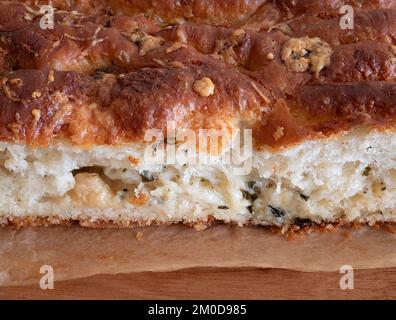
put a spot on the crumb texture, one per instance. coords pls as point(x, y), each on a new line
point(349, 179)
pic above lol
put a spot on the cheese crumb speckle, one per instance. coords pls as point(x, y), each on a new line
point(36, 114)
point(51, 77)
point(36, 94)
point(306, 54)
point(204, 87)
point(17, 81)
point(279, 133)
point(270, 56)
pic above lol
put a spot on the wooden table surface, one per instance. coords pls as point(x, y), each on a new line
point(217, 284)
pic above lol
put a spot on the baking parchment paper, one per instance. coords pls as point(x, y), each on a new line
point(75, 252)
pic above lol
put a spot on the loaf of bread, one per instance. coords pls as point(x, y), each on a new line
point(78, 102)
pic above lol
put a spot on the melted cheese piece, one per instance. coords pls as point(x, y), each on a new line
point(90, 190)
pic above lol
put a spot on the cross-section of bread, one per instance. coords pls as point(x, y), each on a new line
point(77, 102)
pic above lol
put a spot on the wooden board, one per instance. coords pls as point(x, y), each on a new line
point(217, 284)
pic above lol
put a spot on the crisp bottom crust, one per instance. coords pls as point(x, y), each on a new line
point(291, 232)
point(31, 221)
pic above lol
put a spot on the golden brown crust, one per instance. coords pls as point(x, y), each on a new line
point(101, 78)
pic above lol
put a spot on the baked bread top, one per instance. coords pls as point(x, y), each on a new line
point(110, 70)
